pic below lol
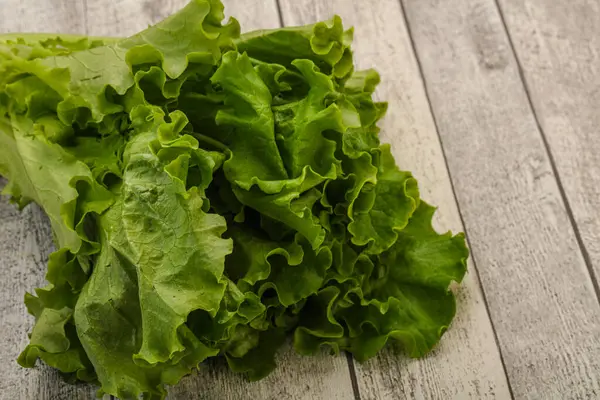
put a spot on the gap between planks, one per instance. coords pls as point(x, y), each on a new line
point(418, 148)
point(542, 300)
point(462, 221)
point(582, 247)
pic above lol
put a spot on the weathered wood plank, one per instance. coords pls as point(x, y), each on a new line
point(41, 16)
point(253, 14)
point(539, 291)
point(296, 377)
point(559, 42)
point(125, 17)
point(26, 238)
point(467, 364)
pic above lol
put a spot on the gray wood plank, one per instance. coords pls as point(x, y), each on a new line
point(253, 14)
point(297, 377)
point(26, 238)
point(558, 46)
point(538, 288)
point(467, 363)
point(126, 17)
point(41, 16)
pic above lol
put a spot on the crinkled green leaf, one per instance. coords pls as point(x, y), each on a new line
point(55, 341)
point(211, 194)
point(325, 43)
point(248, 116)
point(44, 172)
point(110, 322)
point(383, 209)
point(405, 296)
point(193, 35)
point(176, 247)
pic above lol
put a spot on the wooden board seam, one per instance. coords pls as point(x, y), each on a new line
point(279, 14)
point(460, 213)
point(584, 252)
point(353, 377)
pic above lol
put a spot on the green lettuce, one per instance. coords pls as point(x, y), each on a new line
point(210, 194)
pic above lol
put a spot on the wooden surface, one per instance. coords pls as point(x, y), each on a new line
point(540, 295)
point(454, 370)
point(559, 42)
point(494, 102)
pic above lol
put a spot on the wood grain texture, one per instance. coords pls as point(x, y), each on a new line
point(467, 364)
point(297, 377)
point(539, 291)
point(126, 17)
point(253, 14)
point(42, 16)
point(559, 42)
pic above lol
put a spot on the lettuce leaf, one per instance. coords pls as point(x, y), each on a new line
point(210, 195)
